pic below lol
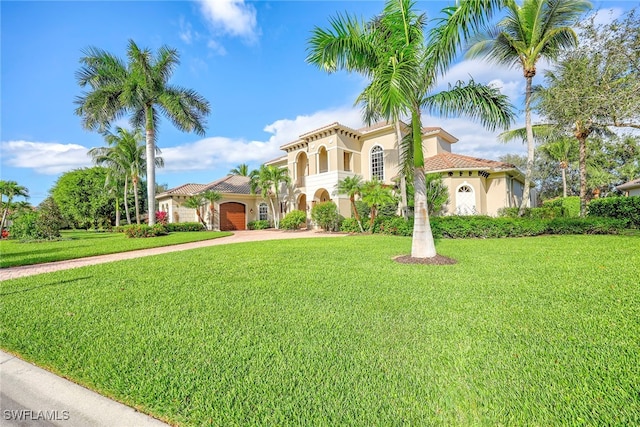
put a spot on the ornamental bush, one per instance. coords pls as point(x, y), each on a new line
point(293, 220)
point(144, 230)
point(625, 208)
point(326, 216)
point(350, 225)
point(260, 224)
point(184, 226)
point(570, 206)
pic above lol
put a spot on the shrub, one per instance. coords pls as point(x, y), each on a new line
point(460, 227)
point(184, 226)
point(293, 220)
point(626, 208)
point(349, 225)
point(24, 226)
point(162, 217)
point(326, 216)
point(396, 226)
point(570, 206)
point(49, 220)
point(144, 230)
point(586, 226)
point(260, 224)
point(545, 212)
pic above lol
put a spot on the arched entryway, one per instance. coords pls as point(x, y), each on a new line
point(232, 216)
point(465, 200)
point(302, 203)
point(323, 160)
point(302, 167)
point(321, 196)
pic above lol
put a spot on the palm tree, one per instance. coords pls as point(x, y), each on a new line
point(561, 151)
point(351, 186)
point(196, 202)
point(10, 189)
point(125, 156)
point(242, 170)
point(269, 179)
point(140, 88)
point(376, 194)
point(537, 29)
point(403, 71)
point(212, 197)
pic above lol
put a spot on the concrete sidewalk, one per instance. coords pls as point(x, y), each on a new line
point(31, 396)
point(237, 237)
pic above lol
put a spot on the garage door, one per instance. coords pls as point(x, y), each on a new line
point(232, 216)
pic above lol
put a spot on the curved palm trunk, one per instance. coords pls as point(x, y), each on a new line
point(4, 213)
point(530, 146)
point(151, 166)
point(126, 201)
point(352, 199)
point(422, 243)
point(403, 179)
point(136, 201)
point(204, 224)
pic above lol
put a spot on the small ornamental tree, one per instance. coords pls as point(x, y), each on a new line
point(326, 215)
point(293, 220)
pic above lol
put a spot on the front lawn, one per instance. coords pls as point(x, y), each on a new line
point(80, 244)
point(530, 331)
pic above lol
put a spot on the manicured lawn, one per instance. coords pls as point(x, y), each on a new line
point(79, 244)
point(533, 331)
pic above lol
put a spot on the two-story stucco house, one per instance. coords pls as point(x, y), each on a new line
point(317, 160)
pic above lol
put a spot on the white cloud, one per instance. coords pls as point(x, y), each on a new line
point(185, 33)
point(217, 152)
point(47, 158)
point(232, 17)
point(607, 16)
point(216, 47)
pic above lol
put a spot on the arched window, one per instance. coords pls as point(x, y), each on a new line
point(263, 212)
point(323, 160)
point(465, 200)
point(377, 163)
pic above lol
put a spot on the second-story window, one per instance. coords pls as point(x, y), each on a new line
point(377, 163)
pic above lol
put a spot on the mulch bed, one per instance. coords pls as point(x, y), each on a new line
point(436, 260)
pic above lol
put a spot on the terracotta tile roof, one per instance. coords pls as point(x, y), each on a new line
point(450, 161)
point(374, 126)
point(235, 184)
point(634, 183)
point(183, 190)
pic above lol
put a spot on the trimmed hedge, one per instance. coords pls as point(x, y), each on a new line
point(293, 220)
point(570, 205)
point(184, 226)
point(462, 227)
point(144, 230)
point(623, 208)
point(261, 224)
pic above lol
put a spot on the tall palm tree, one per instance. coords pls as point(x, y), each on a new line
point(537, 29)
point(352, 187)
point(403, 70)
point(269, 179)
point(139, 88)
point(125, 156)
point(10, 189)
point(242, 170)
point(212, 197)
point(196, 202)
point(561, 151)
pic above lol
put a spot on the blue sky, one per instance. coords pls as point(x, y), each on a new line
point(246, 58)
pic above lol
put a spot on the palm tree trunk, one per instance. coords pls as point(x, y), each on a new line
point(135, 198)
point(403, 179)
point(373, 218)
point(530, 147)
point(151, 166)
point(355, 212)
point(582, 141)
point(4, 216)
point(211, 211)
point(117, 211)
point(422, 244)
point(204, 224)
point(564, 182)
point(275, 218)
point(126, 200)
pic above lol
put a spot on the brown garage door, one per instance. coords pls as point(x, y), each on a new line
point(232, 216)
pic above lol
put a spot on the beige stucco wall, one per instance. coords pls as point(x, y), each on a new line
point(433, 145)
point(388, 144)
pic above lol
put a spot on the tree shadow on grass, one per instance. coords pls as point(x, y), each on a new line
point(56, 283)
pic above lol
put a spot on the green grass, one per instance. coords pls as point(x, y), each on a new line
point(80, 244)
point(532, 331)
